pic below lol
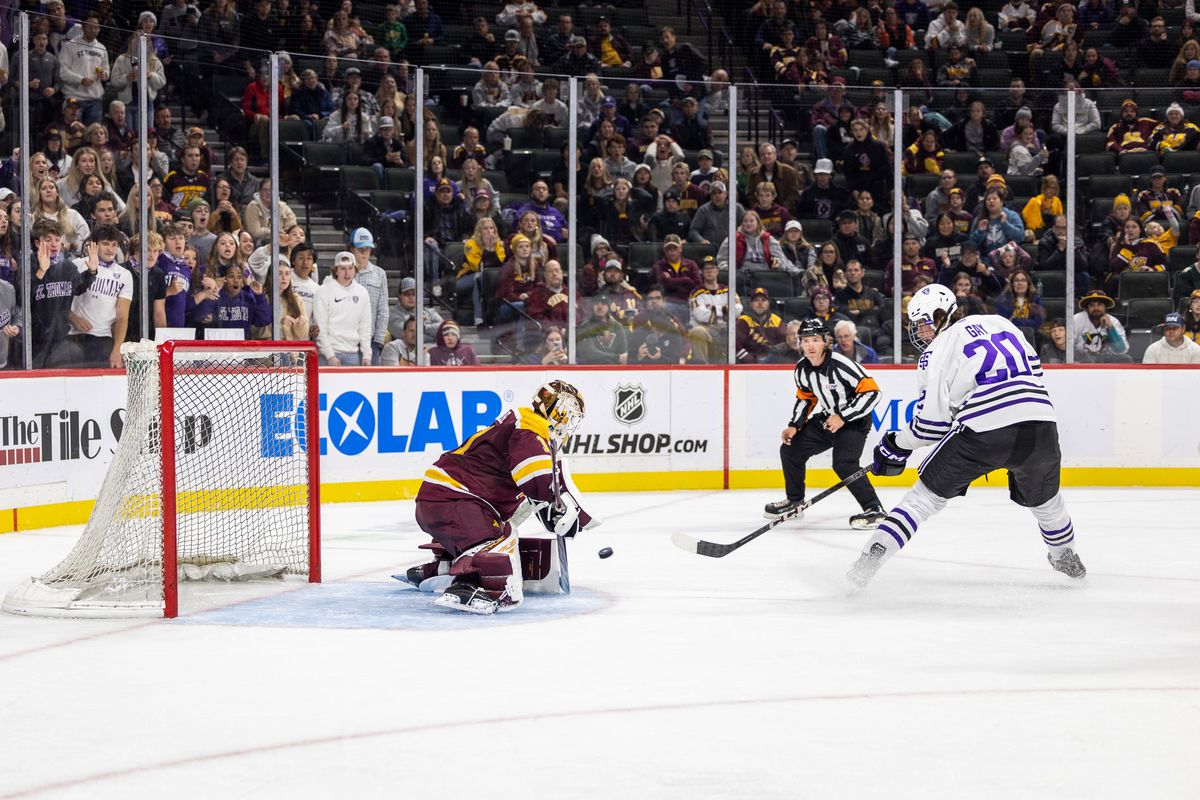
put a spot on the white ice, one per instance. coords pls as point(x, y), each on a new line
point(968, 669)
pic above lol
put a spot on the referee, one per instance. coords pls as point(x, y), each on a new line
point(834, 398)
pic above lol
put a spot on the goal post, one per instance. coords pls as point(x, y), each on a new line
point(216, 477)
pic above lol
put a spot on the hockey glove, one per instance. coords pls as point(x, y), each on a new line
point(561, 522)
point(890, 458)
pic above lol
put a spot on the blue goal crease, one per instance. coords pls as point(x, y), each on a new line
point(383, 606)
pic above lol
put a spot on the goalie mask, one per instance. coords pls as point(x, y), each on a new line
point(562, 405)
point(930, 311)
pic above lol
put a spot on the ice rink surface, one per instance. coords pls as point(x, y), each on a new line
point(968, 669)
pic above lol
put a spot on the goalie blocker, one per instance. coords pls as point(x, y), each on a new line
point(473, 499)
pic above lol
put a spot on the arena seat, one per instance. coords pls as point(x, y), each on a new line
point(1136, 285)
point(778, 283)
point(1145, 312)
point(1050, 282)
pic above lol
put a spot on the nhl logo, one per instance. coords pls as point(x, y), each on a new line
point(629, 404)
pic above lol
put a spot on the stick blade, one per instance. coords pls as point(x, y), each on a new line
point(700, 547)
point(714, 550)
point(685, 542)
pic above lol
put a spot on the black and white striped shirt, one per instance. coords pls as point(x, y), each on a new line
point(839, 386)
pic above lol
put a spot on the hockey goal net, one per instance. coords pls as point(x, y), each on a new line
point(215, 477)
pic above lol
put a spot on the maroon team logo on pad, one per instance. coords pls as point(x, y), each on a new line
point(629, 404)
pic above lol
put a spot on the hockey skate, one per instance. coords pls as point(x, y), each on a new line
point(782, 508)
point(466, 595)
point(415, 576)
point(865, 567)
point(1067, 563)
point(868, 519)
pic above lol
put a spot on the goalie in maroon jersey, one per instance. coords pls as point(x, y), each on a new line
point(474, 497)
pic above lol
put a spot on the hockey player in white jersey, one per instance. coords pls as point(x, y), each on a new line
point(982, 406)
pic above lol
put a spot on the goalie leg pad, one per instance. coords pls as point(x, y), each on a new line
point(495, 566)
point(539, 566)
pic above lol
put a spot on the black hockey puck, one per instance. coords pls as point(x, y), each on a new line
point(605, 552)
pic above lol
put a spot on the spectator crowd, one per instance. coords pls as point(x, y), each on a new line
point(983, 139)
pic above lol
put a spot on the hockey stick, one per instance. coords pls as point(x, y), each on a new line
point(564, 573)
point(715, 550)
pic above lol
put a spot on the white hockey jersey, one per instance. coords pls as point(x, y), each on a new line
point(980, 373)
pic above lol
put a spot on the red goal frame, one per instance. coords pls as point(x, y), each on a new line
point(166, 373)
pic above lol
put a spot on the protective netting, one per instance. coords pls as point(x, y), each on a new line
point(241, 482)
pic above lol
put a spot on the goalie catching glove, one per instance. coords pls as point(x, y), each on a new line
point(890, 458)
point(564, 521)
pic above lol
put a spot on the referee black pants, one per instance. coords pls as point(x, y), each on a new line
point(847, 444)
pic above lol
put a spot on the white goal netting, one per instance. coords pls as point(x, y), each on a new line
point(242, 485)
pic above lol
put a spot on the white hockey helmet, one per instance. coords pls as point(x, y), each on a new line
point(562, 405)
point(924, 308)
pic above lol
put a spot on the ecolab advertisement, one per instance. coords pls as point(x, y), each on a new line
point(643, 429)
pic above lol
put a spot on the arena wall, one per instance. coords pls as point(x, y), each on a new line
point(646, 429)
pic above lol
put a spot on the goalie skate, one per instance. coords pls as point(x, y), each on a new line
point(463, 596)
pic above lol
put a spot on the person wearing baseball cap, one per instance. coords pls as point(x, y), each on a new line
point(822, 199)
point(691, 131)
point(678, 276)
point(625, 301)
point(1131, 132)
point(343, 316)
point(795, 247)
point(1159, 200)
point(1191, 317)
point(611, 48)
point(958, 211)
point(672, 220)
point(375, 281)
point(760, 331)
point(711, 223)
point(788, 149)
point(984, 169)
point(1174, 347)
point(710, 314)
point(602, 339)
point(706, 172)
point(406, 309)
point(384, 149)
point(983, 275)
point(577, 61)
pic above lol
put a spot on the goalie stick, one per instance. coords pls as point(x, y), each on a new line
point(716, 550)
point(564, 574)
